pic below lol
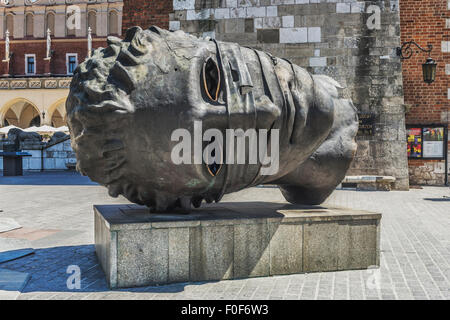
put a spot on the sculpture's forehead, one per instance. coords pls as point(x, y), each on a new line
point(187, 46)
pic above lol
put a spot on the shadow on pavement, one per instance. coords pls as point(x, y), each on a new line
point(437, 199)
point(48, 178)
point(48, 269)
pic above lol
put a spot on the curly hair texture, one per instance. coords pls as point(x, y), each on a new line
point(101, 110)
point(98, 111)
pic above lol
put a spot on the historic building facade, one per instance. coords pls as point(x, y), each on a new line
point(404, 121)
point(353, 41)
point(427, 106)
point(356, 43)
point(41, 43)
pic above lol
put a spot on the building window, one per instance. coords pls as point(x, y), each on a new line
point(50, 23)
point(71, 28)
point(30, 64)
point(10, 24)
point(113, 23)
point(71, 62)
point(92, 21)
point(29, 24)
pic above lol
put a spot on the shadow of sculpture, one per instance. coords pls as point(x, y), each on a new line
point(443, 199)
point(51, 269)
point(48, 269)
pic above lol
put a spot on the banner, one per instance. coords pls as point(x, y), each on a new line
point(414, 139)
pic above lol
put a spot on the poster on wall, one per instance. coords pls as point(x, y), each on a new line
point(414, 138)
point(433, 142)
point(366, 124)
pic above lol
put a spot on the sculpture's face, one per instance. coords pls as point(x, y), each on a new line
point(128, 103)
point(137, 93)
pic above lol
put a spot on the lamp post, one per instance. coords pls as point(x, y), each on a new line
point(428, 68)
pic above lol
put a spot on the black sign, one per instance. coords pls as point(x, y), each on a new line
point(366, 124)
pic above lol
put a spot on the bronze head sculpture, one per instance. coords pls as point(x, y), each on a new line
point(128, 99)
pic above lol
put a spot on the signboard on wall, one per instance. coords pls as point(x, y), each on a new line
point(414, 140)
point(433, 142)
point(426, 142)
point(366, 124)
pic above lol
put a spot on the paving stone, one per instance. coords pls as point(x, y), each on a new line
point(12, 283)
point(415, 246)
point(8, 224)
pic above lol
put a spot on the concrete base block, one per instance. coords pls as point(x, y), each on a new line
point(371, 183)
point(231, 240)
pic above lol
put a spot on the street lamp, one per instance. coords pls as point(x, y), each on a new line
point(428, 68)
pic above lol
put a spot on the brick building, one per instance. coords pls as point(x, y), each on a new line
point(428, 106)
point(341, 38)
point(35, 75)
point(146, 13)
point(352, 41)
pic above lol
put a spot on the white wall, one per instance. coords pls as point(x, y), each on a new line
point(55, 158)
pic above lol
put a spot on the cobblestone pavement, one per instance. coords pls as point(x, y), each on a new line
point(56, 213)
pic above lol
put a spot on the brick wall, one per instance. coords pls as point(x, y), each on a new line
point(145, 13)
point(427, 22)
point(325, 36)
point(55, 158)
point(39, 48)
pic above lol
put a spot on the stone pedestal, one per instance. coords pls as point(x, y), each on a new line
point(231, 240)
point(7, 67)
point(47, 66)
point(370, 183)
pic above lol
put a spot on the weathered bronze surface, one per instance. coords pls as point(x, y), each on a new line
point(126, 101)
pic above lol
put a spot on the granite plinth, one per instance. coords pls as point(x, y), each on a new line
point(231, 240)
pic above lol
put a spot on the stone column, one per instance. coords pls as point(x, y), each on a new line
point(102, 20)
point(39, 23)
point(119, 22)
point(82, 31)
point(19, 24)
point(46, 119)
point(47, 66)
point(60, 21)
point(6, 62)
point(119, 7)
point(2, 22)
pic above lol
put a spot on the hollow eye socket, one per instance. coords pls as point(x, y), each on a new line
point(211, 79)
point(214, 168)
